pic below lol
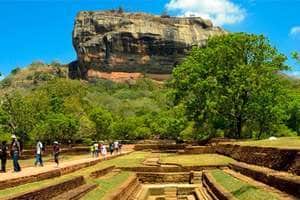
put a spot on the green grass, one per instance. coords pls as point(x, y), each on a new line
point(106, 186)
point(240, 189)
point(133, 159)
point(282, 142)
point(197, 159)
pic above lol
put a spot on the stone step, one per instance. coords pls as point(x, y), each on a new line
point(170, 193)
point(76, 193)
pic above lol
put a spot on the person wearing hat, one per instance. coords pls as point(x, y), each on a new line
point(15, 153)
point(56, 151)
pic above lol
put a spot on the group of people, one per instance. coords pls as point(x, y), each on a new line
point(40, 148)
point(15, 150)
point(100, 147)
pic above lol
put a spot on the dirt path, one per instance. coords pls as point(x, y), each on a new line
point(31, 171)
point(280, 194)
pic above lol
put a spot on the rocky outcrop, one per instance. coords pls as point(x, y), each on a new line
point(114, 41)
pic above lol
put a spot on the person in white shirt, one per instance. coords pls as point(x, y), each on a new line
point(116, 146)
point(103, 151)
point(38, 155)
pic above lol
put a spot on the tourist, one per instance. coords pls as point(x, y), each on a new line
point(96, 147)
point(103, 151)
point(56, 151)
point(93, 150)
point(111, 148)
point(116, 146)
point(15, 151)
point(38, 156)
point(120, 147)
point(3, 155)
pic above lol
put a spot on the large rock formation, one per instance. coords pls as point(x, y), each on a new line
point(114, 41)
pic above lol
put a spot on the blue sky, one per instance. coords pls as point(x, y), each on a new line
point(41, 30)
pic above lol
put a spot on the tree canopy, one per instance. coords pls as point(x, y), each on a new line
point(232, 84)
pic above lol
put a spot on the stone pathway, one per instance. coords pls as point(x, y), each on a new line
point(32, 171)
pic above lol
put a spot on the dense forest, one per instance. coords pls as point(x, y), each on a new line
point(234, 87)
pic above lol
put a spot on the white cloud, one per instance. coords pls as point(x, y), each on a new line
point(295, 31)
point(219, 11)
point(294, 74)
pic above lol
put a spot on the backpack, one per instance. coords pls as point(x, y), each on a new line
point(43, 148)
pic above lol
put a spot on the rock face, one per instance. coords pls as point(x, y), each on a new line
point(114, 41)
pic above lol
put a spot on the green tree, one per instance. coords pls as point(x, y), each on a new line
point(20, 114)
point(57, 127)
point(124, 128)
point(296, 56)
point(102, 119)
point(222, 84)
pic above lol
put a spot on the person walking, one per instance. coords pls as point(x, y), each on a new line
point(38, 155)
point(103, 151)
point(15, 153)
point(96, 146)
point(92, 150)
point(111, 148)
point(3, 155)
point(56, 151)
point(116, 146)
point(120, 147)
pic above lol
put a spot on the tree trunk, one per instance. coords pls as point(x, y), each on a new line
point(261, 130)
point(239, 124)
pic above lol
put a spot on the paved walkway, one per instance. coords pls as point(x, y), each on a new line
point(31, 171)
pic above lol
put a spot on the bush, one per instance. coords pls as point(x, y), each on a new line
point(15, 71)
point(142, 133)
point(284, 131)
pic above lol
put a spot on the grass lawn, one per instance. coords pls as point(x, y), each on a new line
point(106, 186)
point(282, 142)
point(240, 189)
point(197, 159)
point(133, 159)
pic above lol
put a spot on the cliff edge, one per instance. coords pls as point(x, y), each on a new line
point(111, 41)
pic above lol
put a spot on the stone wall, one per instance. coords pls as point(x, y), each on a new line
point(50, 191)
point(198, 150)
point(173, 177)
point(127, 190)
point(282, 181)
point(215, 189)
point(160, 147)
point(101, 172)
point(274, 158)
